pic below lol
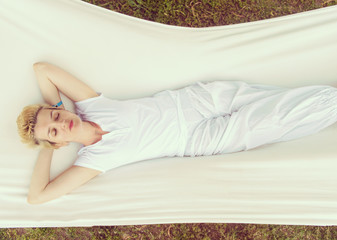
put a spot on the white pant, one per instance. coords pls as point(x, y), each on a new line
point(232, 116)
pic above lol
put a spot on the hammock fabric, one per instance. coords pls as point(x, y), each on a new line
point(286, 183)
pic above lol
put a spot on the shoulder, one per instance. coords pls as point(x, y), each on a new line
point(86, 104)
point(111, 152)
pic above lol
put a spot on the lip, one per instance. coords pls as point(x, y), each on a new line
point(71, 124)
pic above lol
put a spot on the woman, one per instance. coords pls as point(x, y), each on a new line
point(202, 119)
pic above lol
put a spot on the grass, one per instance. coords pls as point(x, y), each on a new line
point(203, 13)
point(197, 231)
point(193, 13)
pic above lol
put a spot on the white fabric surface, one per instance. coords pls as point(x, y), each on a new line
point(286, 183)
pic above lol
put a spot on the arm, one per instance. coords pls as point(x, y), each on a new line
point(53, 79)
point(42, 189)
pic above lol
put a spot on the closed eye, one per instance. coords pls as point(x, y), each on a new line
point(57, 116)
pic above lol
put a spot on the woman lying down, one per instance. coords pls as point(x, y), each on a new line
point(202, 119)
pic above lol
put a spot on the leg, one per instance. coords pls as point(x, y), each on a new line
point(285, 116)
point(238, 116)
point(220, 98)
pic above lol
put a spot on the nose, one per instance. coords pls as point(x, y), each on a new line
point(61, 124)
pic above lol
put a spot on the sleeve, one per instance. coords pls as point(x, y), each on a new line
point(82, 106)
point(86, 162)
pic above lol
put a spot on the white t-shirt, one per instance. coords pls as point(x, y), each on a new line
point(139, 129)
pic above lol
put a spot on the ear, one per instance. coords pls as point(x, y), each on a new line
point(61, 144)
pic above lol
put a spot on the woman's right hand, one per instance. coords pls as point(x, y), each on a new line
point(42, 189)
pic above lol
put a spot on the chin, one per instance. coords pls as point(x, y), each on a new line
point(76, 122)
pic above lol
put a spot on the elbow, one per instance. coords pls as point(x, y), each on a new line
point(39, 198)
point(39, 65)
point(33, 200)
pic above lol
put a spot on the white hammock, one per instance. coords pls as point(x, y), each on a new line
point(124, 57)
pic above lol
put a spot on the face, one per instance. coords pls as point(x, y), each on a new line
point(57, 125)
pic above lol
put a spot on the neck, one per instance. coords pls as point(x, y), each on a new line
point(90, 134)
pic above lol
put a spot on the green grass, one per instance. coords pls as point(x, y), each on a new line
point(177, 231)
point(193, 13)
point(202, 13)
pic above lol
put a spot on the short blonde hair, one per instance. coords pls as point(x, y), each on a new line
point(26, 122)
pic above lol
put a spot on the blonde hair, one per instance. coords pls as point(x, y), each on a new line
point(26, 122)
